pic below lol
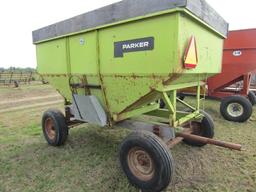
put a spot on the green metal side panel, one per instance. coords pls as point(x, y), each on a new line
point(128, 78)
point(83, 56)
point(121, 92)
point(161, 60)
point(208, 45)
point(52, 57)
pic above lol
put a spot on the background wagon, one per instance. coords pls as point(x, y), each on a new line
point(239, 64)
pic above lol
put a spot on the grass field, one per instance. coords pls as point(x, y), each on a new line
point(88, 162)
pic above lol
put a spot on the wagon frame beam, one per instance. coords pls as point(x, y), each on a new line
point(169, 95)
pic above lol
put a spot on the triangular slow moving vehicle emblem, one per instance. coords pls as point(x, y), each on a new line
point(190, 58)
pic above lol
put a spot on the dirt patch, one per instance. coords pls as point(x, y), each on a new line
point(28, 99)
point(24, 107)
point(11, 94)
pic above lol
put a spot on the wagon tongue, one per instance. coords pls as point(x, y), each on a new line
point(205, 140)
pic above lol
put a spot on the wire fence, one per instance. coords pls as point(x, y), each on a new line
point(17, 78)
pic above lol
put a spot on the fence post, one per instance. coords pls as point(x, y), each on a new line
point(20, 76)
point(30, 77)
point(11, 78)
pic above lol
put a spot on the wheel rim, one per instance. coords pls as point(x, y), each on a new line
point(235, 109)
point(50, 129)
point(141, 164)
point(196, 127)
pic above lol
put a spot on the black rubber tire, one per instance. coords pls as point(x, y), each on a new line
point(252, 97)
point(61, 128)
point(181, 96)
point(160, 155)
point(162, 104)
point(206, 130)
point(244, 102)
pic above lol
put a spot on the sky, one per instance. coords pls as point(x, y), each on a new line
point(19, 18)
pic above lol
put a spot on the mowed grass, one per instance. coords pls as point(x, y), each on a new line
point(89, 160)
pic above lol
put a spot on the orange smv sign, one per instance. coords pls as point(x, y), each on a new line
point(190, 58)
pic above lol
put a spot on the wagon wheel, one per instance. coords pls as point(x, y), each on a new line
point(236, 108)
point(203, 127)
point(146, 161)
point(252, 97)
point(180, 96)
point(54, 127)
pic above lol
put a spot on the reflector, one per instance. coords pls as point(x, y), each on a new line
point(190, 58)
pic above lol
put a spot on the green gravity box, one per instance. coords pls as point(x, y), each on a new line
point(127, 54)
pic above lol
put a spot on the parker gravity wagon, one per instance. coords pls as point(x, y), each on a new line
point(117, 62)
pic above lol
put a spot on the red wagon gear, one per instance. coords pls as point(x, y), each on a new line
point(239, 63)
